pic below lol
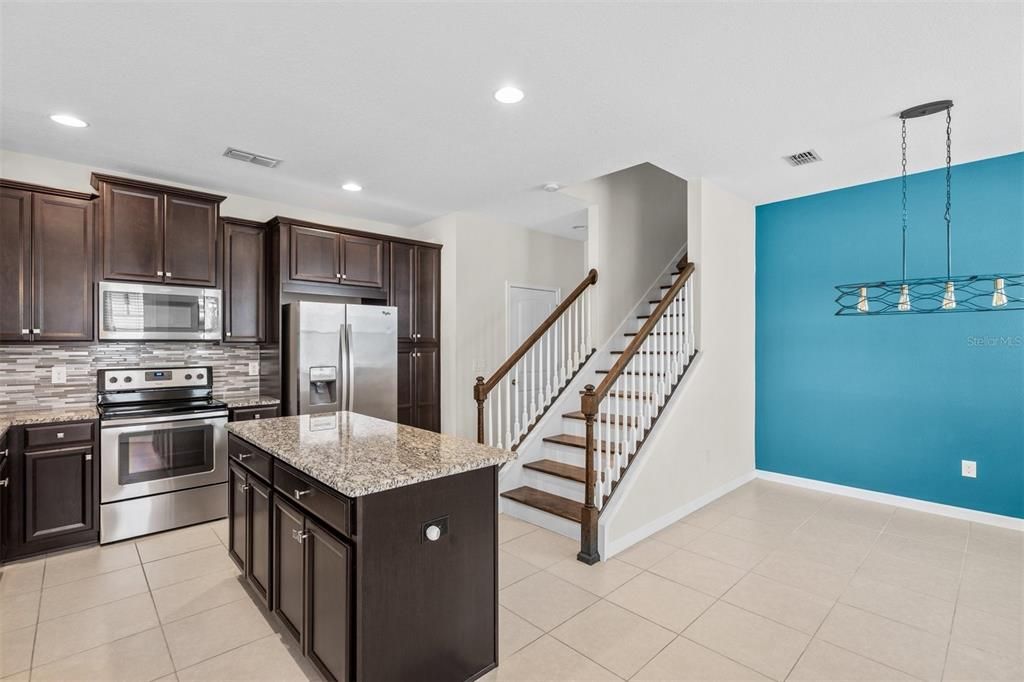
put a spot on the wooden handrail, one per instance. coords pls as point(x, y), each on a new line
point(482, 388)
point(590, 399)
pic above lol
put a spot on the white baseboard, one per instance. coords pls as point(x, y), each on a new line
point(963, 513)
point(613, 547)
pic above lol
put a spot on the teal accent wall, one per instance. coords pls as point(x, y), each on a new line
point(890, 403)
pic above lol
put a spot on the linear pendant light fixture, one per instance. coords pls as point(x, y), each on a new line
point(951, 293)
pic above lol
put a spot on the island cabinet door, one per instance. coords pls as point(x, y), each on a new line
point(289, 567)
point(238, 489)
point(258, 527)
point(328, 606)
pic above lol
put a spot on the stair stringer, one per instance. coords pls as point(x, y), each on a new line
point(551, 423)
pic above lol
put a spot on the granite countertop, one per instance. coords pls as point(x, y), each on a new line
point(254, 401)
point(46, 415)
point(359, 455)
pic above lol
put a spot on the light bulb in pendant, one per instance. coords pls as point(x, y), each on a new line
point(949, 298)
point(998, 293)
point(862, 302)
point(904, 303)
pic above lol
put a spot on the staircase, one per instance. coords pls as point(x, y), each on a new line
point(582, 462)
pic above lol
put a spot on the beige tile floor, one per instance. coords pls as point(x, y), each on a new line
point(769, 582)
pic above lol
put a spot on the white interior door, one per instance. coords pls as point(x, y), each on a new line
point(527, 308)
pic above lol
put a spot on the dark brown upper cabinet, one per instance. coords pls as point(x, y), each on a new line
point(315, 255)
point(416, 291)
point(320, 254)
point(156, 233)
point(245, 283)
point(46, 264)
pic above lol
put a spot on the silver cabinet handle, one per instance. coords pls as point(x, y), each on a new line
point(257, 415)
point(24, 331)
point(168, 274)
point(338, 275)
point(299, 494)
point(159, 273)
point(243, 488)
point(299, 536)
point(60, 435)
point(3, 453)
point(244, 456)
point(4, 482)
point(227, 333)
point(344, 276)
point(88, 458)
point(37, 331)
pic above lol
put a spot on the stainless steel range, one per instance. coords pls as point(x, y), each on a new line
point(163, 450)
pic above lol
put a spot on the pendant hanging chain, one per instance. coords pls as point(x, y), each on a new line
point(904, 199)
point(949, 195)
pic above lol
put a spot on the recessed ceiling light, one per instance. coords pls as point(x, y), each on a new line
point(352, 187)
point(509, 95)
point(69, 120)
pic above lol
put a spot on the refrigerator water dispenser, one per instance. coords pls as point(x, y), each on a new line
point(323, 385)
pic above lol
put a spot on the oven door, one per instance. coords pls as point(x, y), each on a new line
point(152, 455)
point(153, 312)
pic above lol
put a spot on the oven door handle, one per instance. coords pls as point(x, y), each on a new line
point(183, 420)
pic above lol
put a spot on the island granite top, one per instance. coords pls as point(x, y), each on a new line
point(359, 455)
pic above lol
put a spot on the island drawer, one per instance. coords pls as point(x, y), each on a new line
point(314, 497)
point(250, 457)
point(241, 414)
point(57, 434)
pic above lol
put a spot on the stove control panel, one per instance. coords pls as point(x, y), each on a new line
point(165, 377)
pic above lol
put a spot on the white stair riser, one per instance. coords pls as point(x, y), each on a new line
point(556, 524)
point(555, 485)
point(565, 454)
point(578, 427)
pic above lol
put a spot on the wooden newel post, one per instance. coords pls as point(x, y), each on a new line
point(588, 521)
point(480, 397)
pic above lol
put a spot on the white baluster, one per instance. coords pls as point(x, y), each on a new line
point(661, 361)
point(598, 479)
point(590, 320)
point(497, 408)
point(489, 436)
point(515, 395)
point(583, 338)
point(622, 428)
point(507, 413)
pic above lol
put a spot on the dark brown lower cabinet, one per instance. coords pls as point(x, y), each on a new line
point(419, 387)
point(249, 528)
point(312, 571)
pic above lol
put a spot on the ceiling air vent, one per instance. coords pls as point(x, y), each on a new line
point(803, 158)
point(249, 157)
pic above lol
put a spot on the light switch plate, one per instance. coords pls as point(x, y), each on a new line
point(254, 368)
point(59, 374)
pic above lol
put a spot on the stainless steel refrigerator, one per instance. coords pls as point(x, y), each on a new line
point(340, 357)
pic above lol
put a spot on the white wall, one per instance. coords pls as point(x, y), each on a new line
point(40, 170)
point(481, 256)
point(636, 220)
point(705, 439)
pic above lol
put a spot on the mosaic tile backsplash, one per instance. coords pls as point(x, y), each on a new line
point(25, 370)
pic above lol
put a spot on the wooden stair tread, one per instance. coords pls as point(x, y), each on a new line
point(560, 469)
point(552, 504)
point(577, 442)
point(604, 417)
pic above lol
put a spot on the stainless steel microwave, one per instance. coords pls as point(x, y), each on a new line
point(154, 312)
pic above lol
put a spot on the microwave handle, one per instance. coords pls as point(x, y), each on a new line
point(202, 312)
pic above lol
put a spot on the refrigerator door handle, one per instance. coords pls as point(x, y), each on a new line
point(351, 369)
point(343, 357)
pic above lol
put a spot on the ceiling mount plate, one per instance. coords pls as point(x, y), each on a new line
point(927, 109)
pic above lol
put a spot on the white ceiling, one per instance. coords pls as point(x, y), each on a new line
point(398, 96)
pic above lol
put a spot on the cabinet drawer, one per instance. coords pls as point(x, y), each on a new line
point(250, 457)
point(57, 434)
point(246, 413)
point(313, 497)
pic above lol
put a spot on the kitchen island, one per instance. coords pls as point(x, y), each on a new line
point(375, 544)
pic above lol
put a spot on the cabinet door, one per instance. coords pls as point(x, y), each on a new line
point(238, 536)
point(289, 567)
point(15, 264)
point(258, 529)
point(362, 261)
point(315, 255)
point(329, 589)
point(427, 387)
point(427, 309)
point(190, 241)
point(62, 258)
point(133, 234)
point(245, 286)
point(403, 286)
point(406, 387)
point(5, 482)
point(58, 492)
